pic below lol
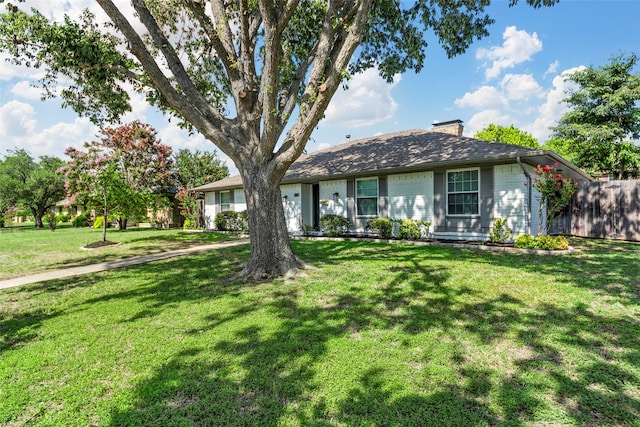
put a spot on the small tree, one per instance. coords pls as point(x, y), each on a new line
point(555, 192)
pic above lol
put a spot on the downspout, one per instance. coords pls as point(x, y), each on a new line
point(529, 197)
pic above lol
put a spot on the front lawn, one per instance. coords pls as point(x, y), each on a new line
point(28, 251)
point(377, 335)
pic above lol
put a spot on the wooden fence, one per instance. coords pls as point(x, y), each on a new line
point(605, 210)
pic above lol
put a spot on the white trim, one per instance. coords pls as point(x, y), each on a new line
point(377, 197)
point(446, 183)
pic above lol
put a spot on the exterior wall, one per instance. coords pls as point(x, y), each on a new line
point(411, 196)
point(292, 204)
point(210, 209)
point(510, 193)
point(239, 201)
point(327, 203)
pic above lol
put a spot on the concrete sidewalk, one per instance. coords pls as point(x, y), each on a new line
point(110, 265)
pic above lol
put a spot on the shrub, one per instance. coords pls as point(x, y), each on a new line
point(550, 243)
point(80, 221)
point(335, 225)
point(306, 229)
point(500, 232)
point(411, 229)
point(231, 221)
point(63, 217)
point(381, 226)
point(188, 225)
point(99, 222)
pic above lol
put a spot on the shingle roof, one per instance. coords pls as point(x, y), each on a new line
point(391, 153)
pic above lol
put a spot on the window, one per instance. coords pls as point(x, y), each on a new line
point(367, 197)
point(225, 201)
point(462, 192)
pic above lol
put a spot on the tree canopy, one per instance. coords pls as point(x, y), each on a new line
point(240, 73)
point(194, 168)
point(33, 185)
point(507, 135)
point(601, 131)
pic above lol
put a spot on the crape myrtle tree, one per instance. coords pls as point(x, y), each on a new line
point(31, 184)
point(601, 130)
point(240, 73)
point(125, 172)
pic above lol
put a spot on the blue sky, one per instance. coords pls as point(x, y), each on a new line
point(514, 76)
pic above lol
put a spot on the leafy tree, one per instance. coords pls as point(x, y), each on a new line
point(602, 127)
point(124, 172)
point(277, 63)
point(194, 168)
point(30, 184)
point(510, 135)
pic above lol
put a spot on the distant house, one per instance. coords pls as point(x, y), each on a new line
point(69, 207)
point(459, 184)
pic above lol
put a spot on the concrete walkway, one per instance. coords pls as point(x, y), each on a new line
point(110, 265)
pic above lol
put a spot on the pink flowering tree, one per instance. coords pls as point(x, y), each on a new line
point(554, 190)
point(124, 173)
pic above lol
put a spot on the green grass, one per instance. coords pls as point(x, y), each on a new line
point(30, 251)
point(377, 335)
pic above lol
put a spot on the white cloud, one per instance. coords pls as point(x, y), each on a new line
point(484, 118)
point(17, 119)
point(519, 46)
point(520, 86)
point(25, 90)
point(553, 69)
point(553, 108)
point(18, 128)
point(483, 97)
point(367, 101)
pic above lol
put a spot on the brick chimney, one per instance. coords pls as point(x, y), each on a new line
point(452, 127)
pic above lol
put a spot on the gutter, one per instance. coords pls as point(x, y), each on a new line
point(529, 196)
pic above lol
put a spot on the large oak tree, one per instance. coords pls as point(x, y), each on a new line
point(240, 72)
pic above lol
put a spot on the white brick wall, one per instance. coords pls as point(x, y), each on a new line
point(210, 209)
point(411, 196)
point(510, 197)
point(239, 201)
point(336, 207)
point(292, 206)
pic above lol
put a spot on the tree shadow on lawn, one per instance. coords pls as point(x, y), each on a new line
point(569, 364)
point(566, 364)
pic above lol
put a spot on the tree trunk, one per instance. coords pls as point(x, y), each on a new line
point(122, 223)
point(37, 216)
point(271, 253)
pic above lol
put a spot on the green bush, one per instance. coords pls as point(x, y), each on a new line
point(188, 225)
point(381, 226)
point(63, 217)
point(500, 232)
point(80, 221)
point(411, 229)
point(231, 221)
point(550, 243)
point(98, 222)
point(335, 225)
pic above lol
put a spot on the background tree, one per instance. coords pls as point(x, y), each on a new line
point(507, 135)
point(30, 184)
point(194, 168)
point(278, 63)
point(124, 173)
point(602, 127)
